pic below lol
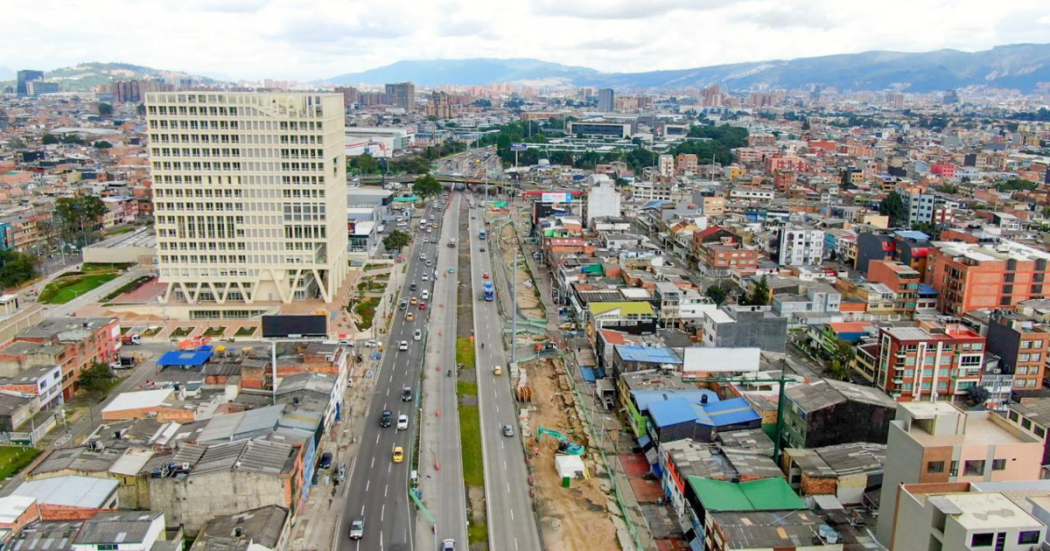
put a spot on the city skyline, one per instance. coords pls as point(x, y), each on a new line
point(279, 39)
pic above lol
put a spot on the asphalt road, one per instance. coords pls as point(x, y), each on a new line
point(512, 525)
point(376, 489)
point(441, 460)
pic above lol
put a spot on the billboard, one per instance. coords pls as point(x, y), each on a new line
point(560, 197)
point(700, 359)
point(518, 147)
point(292, 327)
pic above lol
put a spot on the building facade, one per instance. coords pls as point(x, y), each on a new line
point(929, 362)
point(250, 191)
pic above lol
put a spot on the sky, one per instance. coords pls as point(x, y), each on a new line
point(306, 41)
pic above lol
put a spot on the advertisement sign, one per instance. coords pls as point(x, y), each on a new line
point(518, 147)
point(556, 198)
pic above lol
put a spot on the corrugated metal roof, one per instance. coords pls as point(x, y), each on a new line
point(729, 412)
point(70, 491)
point(769, 494)
point(648, 354)
point(672, 412)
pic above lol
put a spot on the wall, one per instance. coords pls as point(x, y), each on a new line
point(197, 499)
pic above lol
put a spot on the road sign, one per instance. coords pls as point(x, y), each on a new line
point(518, 147)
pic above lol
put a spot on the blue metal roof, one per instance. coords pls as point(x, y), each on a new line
point(927, 291)
point(672, 412)
point(648, 354)
point(727, 412)
point(655, 204)
point(643, 398)
point(179, 358)
point(912, 234)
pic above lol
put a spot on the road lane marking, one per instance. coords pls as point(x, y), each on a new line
point(512, 514)
point(377, 439)
point(385, 488)
point(368, 484)
point(373, 460)
point(389, 466)
point(508, 487)
point(501, 445)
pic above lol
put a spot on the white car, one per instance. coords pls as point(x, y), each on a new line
point(425, 277)
point(402, 346)
point(372, 344)
point(402, 422)
point(418, 335)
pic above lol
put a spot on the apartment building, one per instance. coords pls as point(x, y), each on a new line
point(919, 206)
point(402, 94)
point(903, 280)
point(936, 442)
point(1023, 347)
point(73, 344)
point(798, 246)
point(250, 195)
point(1033, 417)
point(935, 517)
point(932, 362)
point(970, 276)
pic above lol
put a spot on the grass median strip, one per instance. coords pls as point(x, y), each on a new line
point(465, 352)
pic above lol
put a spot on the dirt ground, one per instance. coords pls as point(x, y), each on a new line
point(570, 518)
point(528, 300)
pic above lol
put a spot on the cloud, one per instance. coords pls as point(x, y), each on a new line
point(786, 17)
point(620, 9)
point(464, 28)
point(609, 45)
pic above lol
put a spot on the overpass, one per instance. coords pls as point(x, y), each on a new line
point(443, 178)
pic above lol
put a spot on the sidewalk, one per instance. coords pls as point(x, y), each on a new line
point(543, 281)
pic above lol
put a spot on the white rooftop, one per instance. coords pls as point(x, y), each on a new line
point(70, 491)
point(138, 400)
point(12, 507)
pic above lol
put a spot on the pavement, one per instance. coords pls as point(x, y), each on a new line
point(440, 456)
point(511, 520)
point(377, 488)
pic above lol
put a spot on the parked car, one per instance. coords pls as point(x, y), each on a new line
point(326, 460)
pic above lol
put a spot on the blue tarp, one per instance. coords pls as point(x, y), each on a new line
point(648, 354)
point(644, 398)
point(180, 358)
point(587, 373)
point(926, 291)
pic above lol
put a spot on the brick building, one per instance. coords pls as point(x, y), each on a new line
point(969, 276)
point(930, 362)
point(71, 343)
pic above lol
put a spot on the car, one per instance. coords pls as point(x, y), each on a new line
point(484, 275)
point(413, 286)
point(417, 335)
point(422, 256)
point(406, 394)
point(425, 277)
point(403, 304)
point(399, 454)
point(430, 230)
point(429, 263)
point(414, 301)
point(326, 460)
point(372, 343)
point(386, 418)
point(497, 370)
point(482, 249)
point(426, 294)
point(508, 430)
point(448, 545)
point(402, 422)
point(357, 529)
point(410, 316)
point(422, 306)
point(402, 346)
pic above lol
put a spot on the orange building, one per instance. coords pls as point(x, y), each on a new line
point(969, 277)
point(903, 280)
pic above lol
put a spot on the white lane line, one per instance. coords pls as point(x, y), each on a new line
point(385, 488)
point(515, 543)
point(497, 408)
point(502, 447)
point(368, 483)
point(508, 487)
point(504, 464)
point(362, 510)
point(373, 462)
point(388, 467)
point(512, 514)
point(377, 441)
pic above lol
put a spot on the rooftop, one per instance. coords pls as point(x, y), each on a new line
point(70, 491)
point(983, 511)
point(118, 527)
point(771, 494)
point(648, 354)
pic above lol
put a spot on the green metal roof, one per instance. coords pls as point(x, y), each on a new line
point(768, 494)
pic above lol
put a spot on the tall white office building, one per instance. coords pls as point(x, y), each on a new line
point(249, 195)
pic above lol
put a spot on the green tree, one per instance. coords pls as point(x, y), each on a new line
point(426, 186)
point(79, 218)
point(977, 395)
point(17, 268)
point(759, 294)
point(841, 355)
point(1016, 184)
point(72, 139)
point(105, 110)
point(396, 240)
point(364, 164)
point(717, 293)
point(102, 144)
point(96, 380)
point(49, 139)
point(893, 206)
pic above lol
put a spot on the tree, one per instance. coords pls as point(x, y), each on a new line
point(79, 217)
point(49, 139)
point(841, 355)
point(759, 294)
point(102, 144)
point(96, 380)
point(717, 293)
point(426, 186)
point(396, 240)
point(977, 395)
point(105, 109)
point(17, 268)
point(72, 139)
point(893, 206)
point(141, 109)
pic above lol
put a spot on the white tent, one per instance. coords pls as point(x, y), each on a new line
point(569, 466)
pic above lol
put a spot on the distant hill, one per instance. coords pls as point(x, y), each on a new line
point(468, 71)
point(87, 76)
point(1019, 66)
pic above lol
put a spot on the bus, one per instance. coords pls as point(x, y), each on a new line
point(490, 291)
point(481, 235)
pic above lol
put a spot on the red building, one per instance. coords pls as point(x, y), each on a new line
point(930, 362)
point(969, 276)
point(902, 279)
point(943, 169)
point(74, 344)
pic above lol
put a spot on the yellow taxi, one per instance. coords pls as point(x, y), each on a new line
point(399, 454)
point(410, 316)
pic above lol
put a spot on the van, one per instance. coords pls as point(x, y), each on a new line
point(426, 294)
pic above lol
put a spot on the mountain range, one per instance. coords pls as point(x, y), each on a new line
point(86, 76)
point(1018, 66)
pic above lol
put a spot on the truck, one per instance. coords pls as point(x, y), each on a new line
point(130, 339)
point(482, 235)
point(490, 291)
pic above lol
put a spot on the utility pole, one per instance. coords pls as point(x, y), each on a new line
point(514, 301)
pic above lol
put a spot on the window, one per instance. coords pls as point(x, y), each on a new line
point(935, 467)
point(973, 468)
point(1014, 416)
point(998, 464)
point(1040, 431)
point(982, 539)
point(1028, 536)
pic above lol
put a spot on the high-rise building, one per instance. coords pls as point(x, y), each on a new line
point(666, 165)
point(134, 91)
point(40, 87)
point(249, 195)
point(606, 100)
point(937, 443)
point(24, 77)
point(439, 106)
point(349, 95)
point(798, 246)
point(402, 94)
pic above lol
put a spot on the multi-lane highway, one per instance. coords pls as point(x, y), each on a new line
point(440, 457)
point(512, 525)
point(376, 489)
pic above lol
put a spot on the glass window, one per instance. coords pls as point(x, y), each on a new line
point(935, 467)
point(998, 464)
point(982, 539)
point(1028, 536)
point(973, 467)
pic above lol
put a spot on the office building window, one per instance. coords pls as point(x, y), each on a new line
point(973, 468)
point(1028, 536)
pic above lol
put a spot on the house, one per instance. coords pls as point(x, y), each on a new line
point(737, 326)
point(70, 497)
point(829, 412)
point(262, 529)
point(846, 471)
point(120, 530)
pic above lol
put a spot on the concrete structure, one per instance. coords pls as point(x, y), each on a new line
point(969, 276)
point(23, 78)
point(846, 471)
point(257, 216)
point(603, 199)
point(137, 247)
point(903, 280)
point(736, 326)
point(829, 412)
point(1023, 347)
point(71, 343)
point(120, 530)
point(1033, 417)
point(403, 95)
point(796, 246)
point(919, 206)
point(263, 529)
point(947, 517)
point(929, 362)
point(601, 129)
point(606, 100)
point(939, 443)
